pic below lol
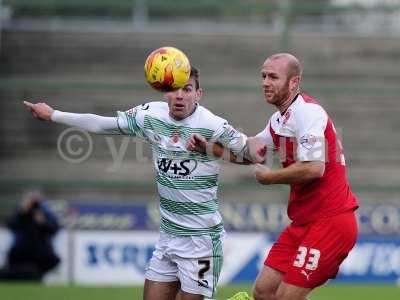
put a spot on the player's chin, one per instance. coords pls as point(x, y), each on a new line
point(179, 114)
point(267, 97)
point(270, 100)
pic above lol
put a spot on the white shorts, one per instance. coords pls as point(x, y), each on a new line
point(196, 261)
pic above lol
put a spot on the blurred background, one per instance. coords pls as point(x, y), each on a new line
point(88, 56)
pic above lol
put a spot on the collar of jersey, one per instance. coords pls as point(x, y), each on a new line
point(294, 99)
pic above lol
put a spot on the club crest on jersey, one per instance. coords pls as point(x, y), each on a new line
point(308, 141)
point(175, 137)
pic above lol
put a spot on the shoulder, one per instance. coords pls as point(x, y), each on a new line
point(209, 119)
point(308, 108)
point(152, 108)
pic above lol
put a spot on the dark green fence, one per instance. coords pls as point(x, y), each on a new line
point(184, 8)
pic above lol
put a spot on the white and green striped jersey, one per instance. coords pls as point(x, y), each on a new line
point(187, 181)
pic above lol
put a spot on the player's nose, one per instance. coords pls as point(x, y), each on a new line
point(179, 94)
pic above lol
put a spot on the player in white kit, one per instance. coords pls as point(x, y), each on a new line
point(188, 256)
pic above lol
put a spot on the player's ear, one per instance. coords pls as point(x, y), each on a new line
point(294, 83)
point(199, 94)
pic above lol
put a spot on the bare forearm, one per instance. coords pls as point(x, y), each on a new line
point(300, 172)
point(241, 156)
point(246, 158)
point(217, 150)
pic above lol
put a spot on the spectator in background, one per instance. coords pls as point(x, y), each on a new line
point(31, 254)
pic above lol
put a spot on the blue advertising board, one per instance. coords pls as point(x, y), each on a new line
point(238, 217)
point(132, 234)
point(373, 259)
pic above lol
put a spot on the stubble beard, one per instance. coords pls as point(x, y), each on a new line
point(280, 97)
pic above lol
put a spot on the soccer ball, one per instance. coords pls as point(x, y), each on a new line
point(167, 69)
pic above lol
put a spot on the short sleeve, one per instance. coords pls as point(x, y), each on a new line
point(230, 138)
point(266, 136)
point(130, 122)
point(310, 133)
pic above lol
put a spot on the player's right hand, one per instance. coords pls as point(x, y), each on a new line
point(197, 143)
point(40, 111)
point(257, 150)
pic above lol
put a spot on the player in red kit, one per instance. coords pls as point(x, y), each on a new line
point(321, 205)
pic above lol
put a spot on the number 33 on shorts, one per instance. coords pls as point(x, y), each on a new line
point(312, 255)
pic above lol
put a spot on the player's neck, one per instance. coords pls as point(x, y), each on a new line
point(287, 102)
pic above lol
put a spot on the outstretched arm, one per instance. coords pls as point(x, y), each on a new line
point(89, 122)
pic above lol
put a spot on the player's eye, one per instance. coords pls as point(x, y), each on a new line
point(187, 89)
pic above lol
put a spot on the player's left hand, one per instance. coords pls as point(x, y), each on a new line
point(261, 173)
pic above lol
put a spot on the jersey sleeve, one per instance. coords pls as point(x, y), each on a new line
point(310, 133)
point(266, 137)
point(89, 122)
point(230, 138)
point(131, 122)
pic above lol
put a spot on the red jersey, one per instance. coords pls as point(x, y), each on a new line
point(305, 132)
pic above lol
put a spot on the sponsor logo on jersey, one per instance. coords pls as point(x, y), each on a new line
point(145, 106)
point(307, 275)
point(131, 112)
point(308, 141)
point(230, 134)
point(176, 167)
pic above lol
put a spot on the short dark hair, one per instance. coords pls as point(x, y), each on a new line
point(195, 74)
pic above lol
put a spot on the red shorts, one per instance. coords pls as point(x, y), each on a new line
point(310, 254)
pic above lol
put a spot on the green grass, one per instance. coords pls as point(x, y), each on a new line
point(20, 291)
